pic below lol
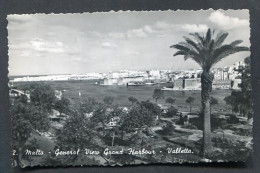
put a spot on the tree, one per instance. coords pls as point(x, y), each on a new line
point(101, 115)
point(79, 132)
point(153, 108)
point(88, 105)
point(108, 100)
point(190, 100)
point(132, 99)
point(62, 105)
point(31, 145)
point(158, 94)
point(27, 119)
point(170, 100)
point(117, 115)
point(241, 101)
point(171, 111)
point(137, 118)
point(76, 133)
point(207, 50)
point(213, 101)
point(42, 95)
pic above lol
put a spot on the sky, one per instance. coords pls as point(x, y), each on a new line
point(42, 44)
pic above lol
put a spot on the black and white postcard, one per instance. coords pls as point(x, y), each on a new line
point(130, 87)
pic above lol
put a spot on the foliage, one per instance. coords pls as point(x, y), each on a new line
point(171, 111)
point(76, 133)
point(241, 101)
point(62, 105)
point(101, 115)
point(88, 105)
point(27, 118)
point(207, 50)
point(151, 107)
point(182, 119)
point(31, 145)
point(138, 117)
point(190, 100)
point(233, 119)
point(168, 128)
point(119, 115)
point(21, 125)
point(230, 150)
point(138, 139)
point(158, 94)
point(108, 100)
point(42, 95)
point(170, 100)
point(243, 132)
point(190, 126)
point(213, 101)
point(132, 99)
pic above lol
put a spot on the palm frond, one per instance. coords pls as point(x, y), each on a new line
point(196, 46)
point(228, 50)
point(208, 37)
point(236, 42)
point(198, 37)
point(221, 49)
point(207, 50)
point(181, 47)
point(180, 53)
point(220, 38)
point(211, 46)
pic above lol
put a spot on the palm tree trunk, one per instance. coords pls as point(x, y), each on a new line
point(210, 110)
point(206, 87)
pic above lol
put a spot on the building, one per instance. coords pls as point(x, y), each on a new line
point(122, 81)
point(187, 84)
point(16, 93)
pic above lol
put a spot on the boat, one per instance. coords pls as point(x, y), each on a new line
point(167, 89)
point(151, 83)
point(162, 82)
point(135, 84)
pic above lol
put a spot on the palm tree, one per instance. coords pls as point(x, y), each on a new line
point(207, 50)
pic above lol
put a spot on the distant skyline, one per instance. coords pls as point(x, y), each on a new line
point(42, 44)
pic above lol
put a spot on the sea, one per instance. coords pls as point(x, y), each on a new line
point(78, 90)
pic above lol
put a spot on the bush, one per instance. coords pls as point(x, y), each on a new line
point(233, 119)
point(167, 129)
point(216, 122)
point(171, 111)
point(190, 126)
point(182, 119)
point(230, 150)
point(243, 132)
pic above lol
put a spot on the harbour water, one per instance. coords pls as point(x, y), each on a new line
point(88, 88)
